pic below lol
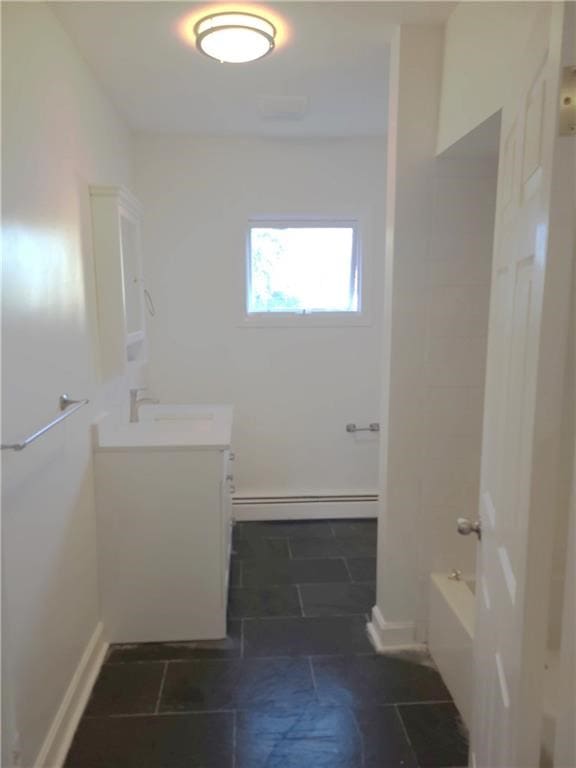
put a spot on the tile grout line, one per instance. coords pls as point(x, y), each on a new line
point(242, 638)
point(345, 559)
point(167, 713)
point(433, 703)
point(161, 691)
point(300, 601)
point(138, 661)
point(227, 659)
point(314, 683)
point(234, 737)
point(302, 583)
point(360, 735)
point(405, 732)
point(326, 616)
point(178, 712)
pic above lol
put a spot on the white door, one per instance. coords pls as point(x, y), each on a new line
point(528, 323)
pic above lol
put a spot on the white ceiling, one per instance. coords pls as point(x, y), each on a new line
point(327, 76)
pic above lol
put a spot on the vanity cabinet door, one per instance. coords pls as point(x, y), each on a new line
point(161, 548)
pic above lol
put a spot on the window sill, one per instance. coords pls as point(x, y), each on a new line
point(306, 320)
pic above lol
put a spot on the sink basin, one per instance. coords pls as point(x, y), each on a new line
point(200, 416)
point(166, 425)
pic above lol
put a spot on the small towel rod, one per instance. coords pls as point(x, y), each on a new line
point(374, 427)
point(67, 405)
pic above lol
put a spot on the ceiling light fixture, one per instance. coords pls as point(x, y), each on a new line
point(235, 38)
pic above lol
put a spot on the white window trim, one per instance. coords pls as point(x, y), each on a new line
point(318, 319)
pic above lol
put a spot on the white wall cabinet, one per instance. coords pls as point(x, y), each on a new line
point(119, 284)
point(164, 519)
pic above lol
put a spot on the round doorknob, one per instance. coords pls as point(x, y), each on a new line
point(466, 527)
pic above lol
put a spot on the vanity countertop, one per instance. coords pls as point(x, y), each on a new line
point(168, 426)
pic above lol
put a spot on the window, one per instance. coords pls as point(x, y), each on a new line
point(303, 269)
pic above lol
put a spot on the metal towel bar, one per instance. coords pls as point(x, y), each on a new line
point(67, 405)
point(374, 427)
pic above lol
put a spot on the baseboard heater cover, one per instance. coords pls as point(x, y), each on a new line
point(341, 498)
point(305, 506)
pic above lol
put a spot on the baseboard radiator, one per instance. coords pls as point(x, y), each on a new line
point(305, 506)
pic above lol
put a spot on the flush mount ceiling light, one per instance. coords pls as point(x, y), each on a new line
point(235, 37)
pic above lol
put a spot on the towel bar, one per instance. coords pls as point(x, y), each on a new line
point(67, 405)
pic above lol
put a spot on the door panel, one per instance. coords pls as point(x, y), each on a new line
point(515, 550)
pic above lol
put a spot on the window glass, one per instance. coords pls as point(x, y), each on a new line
point(302, 269)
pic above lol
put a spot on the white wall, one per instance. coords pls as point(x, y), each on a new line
point(485, 44)
point(59, 135)
point(438, 282)
point(294, 389)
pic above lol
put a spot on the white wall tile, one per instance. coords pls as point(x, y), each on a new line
point(465, 267)
point(469, 167)
point(455, 447)
point(414, 209)
point(458, 311)
point(448, 244)
point(463, 205)
point(456, 361)
point(448, 411)
point(448, 482)
point(476, 407)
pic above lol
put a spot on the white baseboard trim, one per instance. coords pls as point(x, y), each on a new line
point(59, 737)
point(305, 507)
point(392, 635)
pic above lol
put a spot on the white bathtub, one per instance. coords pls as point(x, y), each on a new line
point(450, 641)
point(451, 636)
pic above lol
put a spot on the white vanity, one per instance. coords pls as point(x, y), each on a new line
point(163, 495)
point(164, 482)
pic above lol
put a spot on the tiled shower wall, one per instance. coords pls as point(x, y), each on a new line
point(438, 284)
point(456, 295)
point(446, 276)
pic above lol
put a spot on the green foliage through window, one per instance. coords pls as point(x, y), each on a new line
point(299, 269)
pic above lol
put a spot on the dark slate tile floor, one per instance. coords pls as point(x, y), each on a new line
point(296, 684)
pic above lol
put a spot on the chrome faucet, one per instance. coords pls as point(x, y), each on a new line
point(136, 402)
